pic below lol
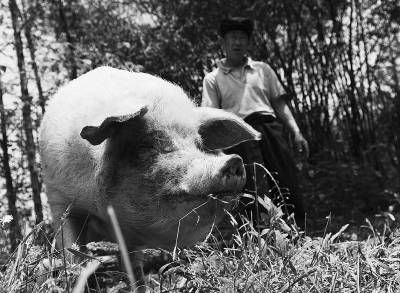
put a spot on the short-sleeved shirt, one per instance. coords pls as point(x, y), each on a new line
point(251, 93)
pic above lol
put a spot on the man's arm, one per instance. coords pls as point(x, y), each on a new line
point(283, 112)
point(277, 97)
point(210, 95)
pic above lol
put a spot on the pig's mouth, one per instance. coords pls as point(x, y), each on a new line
point(225, 196)
point(221, 196)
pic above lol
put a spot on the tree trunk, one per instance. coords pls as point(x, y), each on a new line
point(396, 118)
point(71, 49)
point(15, 231)
point(26, 113)
point(355, 117)
point(28, 19)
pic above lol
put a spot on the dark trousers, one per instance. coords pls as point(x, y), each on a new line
point(274, 153)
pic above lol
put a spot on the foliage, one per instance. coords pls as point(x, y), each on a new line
point(363, 193)
point(338, 60)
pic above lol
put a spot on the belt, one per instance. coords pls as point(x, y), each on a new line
point(259, 118)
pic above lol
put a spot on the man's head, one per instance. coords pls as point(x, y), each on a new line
point(236, 32)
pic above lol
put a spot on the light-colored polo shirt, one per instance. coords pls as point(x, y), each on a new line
point(252, 92)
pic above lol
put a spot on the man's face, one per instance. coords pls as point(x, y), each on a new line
point(236, 44)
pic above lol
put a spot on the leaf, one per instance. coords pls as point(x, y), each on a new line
point(81, 254)
point(281, 241)
point(170, 268)
point(339, 233)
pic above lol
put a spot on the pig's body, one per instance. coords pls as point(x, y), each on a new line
point(136, 142)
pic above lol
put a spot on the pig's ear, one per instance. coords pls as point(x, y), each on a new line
point(221, 130)
point(97, 134)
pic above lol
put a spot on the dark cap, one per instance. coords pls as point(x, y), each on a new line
point(236, 24)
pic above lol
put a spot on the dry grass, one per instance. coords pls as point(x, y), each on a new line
point(278, 264)
point(277, 260)
point(275, 257)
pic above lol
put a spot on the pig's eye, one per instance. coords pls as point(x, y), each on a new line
point(158, 142)
point(157, 147)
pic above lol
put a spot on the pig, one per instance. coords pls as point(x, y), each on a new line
point(138, 143)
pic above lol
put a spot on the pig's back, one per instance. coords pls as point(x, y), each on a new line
point(105, 92)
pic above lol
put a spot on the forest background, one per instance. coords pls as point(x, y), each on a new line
point(339, 60)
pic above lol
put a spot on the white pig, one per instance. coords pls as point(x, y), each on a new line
point(136, 142)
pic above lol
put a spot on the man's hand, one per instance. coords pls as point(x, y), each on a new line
point(283, 112)
point(301, 144)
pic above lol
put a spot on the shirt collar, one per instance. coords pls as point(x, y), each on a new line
point(226, 69)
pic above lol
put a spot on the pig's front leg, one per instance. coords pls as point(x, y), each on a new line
point(136, 258)
point(70, 226)
point(73, 231)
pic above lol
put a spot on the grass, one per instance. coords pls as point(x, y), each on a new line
point(277, 260)
point(275, 257)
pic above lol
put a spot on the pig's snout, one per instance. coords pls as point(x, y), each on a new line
point(233, 167)
point(233, 174)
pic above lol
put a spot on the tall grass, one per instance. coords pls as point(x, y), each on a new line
point(274, 260)
point(274, 257)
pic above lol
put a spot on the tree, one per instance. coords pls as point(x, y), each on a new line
point(73, 73)
point(30, 146)
point(28, 16)
point(15, 231)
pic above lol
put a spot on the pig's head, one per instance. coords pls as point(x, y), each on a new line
point(164, 172)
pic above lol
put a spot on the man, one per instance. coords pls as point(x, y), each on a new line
point(251, 90)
